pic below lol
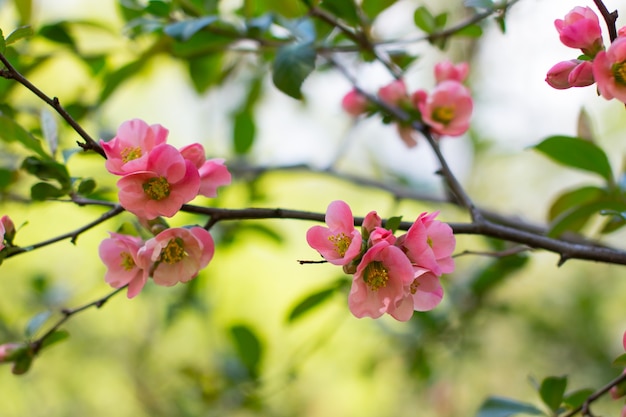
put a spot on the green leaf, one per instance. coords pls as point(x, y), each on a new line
point(620, 361)
point(292, 66)
point(6, 178)
point(3, 45)
point(479, 4)
point(424, 19)
point(577, 398)
point(35, 323)
point(313, 300)
point(44, 191)
point(393, 223)
point(552, 390)
point(47, 169)
point(55, 337)
point(440, 20)
point(505, 407)
point(59, 33)
point(373, 8)
point(574, 198)
point(114, 79)
point(86, 186)
point(24, 9)
point(248, 347)
point(577, 153)
point(471, 31)
point(496, 272)
point(184, 30)
point(244, 131)
point(158, 8)
point(576, 218)
point(21, 32)
point(206, 70)
point(343, 9)
point(10, 131)
point(22, 363)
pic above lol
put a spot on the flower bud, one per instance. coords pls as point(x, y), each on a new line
point(558, 75)
point(354, 103)
point(393, 93)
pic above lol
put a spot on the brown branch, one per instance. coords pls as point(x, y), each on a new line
point(609, 17)
point(11, 73)
point(585, 407)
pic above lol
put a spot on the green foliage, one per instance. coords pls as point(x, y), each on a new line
point(249, 348)
point(11, 131)
point(35, 323)
point(343, 9)
point(292, 65)
point(373, 8)
point(552, 391)
point(315, 300)
point(506, 407)
point(183, 31)
point(577, 153)
point(22, 32)
point(393, 223)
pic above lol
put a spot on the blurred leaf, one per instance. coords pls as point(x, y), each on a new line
point(6, 178)
point(440, 20)
point(584, 127)
point(552, 390)
point(401, 58)
point(259, 25)
point(577, 153)
point(55, 337)
point(158, 8)
point(424, 19)
point(114, 79)
point(206, 71)
point(86, 186)
point(577, 398)
point(202, 43)
point(49, 129)
point(292, 66)
point(496, 272)
point(505, 407)
point(577, 217)
point(24, 9)
point(313, 300)
point(343, 9)
point(471, 31)
point(10, 131)
point(244, 131)
point(36, 323)
point(393, 223)
point(572, 198)
point(479, 4)
point(184, 30)
point(373, 8)
point(248, 347)
point(3, 45)
point(47, 169)
point(22, 363)
point(22, 32)
point(620, 361)
point(58, 32)
point(44, 191)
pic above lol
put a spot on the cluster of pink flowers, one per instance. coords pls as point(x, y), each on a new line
point(393, 275)
point(156, 178)
point(580, 29)
point(446, 110)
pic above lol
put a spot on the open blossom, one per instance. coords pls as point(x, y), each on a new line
point(340, 242)
point(447, 110)
point(446, 70)
point(609, 70)
point(429, 244)
point(379, 284)
point(177, 254)
point(128, 151)
point(426, 291)
point(354, 103)
point(168, 182)
point(581, 29)
point(213, 173)
point(120, 255)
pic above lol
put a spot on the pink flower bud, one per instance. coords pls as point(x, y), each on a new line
point(371, 221)
point(393, 93)
point(448, 71)
point(581, 29)
point(581, 75)
point(354, 103)
point(558, 75)
point(7, 351)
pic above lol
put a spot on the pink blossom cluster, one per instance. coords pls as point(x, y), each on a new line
point(580, 29)
point(156, 178)
point(393, 275)
point(174, 255)
point(446, 110)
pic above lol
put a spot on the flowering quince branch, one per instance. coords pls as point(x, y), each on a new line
point(11, 73)
point(609, 17)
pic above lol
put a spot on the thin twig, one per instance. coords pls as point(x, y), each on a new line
point(609, 17)
point(596, 395)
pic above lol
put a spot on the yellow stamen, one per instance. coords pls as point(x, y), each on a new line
point(443, 114)
point(173, 252)
point(619, 72)
point(127, 261)
point(128, 154)
point(341, 242)
point(375, 275)
point(156, 188)
point(414, 286)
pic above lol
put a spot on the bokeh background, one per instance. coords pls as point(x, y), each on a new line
point(223, 345)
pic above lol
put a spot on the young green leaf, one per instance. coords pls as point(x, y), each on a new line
point(424, 19)
point(244, 131)
point(506, 407)
point(552, 390)
point(54, 337)
point(393, 223)
point(577, 398)
point(21, 32)
point(343, 9)
point(314, 300)
point(479, 4)
point(10, 131)
point(35, 323)
point(373, 8)
point(471, 31)
point(248, 347)
point(184, 30)
point(3, 45)
point(573, 198)
point(292, 65)
point(577, 153)
point(620, 361)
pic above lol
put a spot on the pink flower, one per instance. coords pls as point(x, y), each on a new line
point(168, 182)
point(429, 244)
point(380, 234)
point(447, 110)
point(371, 221)
point(120, 255)
point(177, 254)
point(354, 103)
point(340, 242)
point(581, 29)
point(609, 70)
point(213, 173)
point(425, 290)
point(7, 228)
point(624, 340)
point(128, 151)
point(379, 283)
point(572, 73)
point(393, 93)
point(447, 71)
point(8, 351)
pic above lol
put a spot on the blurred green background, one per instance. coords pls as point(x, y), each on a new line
point(224, 345)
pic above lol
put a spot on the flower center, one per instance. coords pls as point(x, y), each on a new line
point(156, 188)
point(443, 114)
point(127, 261)
point(619, 72)
point(375, 275)
point(341, 243)
point(128, 154)
point(414, 286)
point(173, 252)
point(429, 241)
